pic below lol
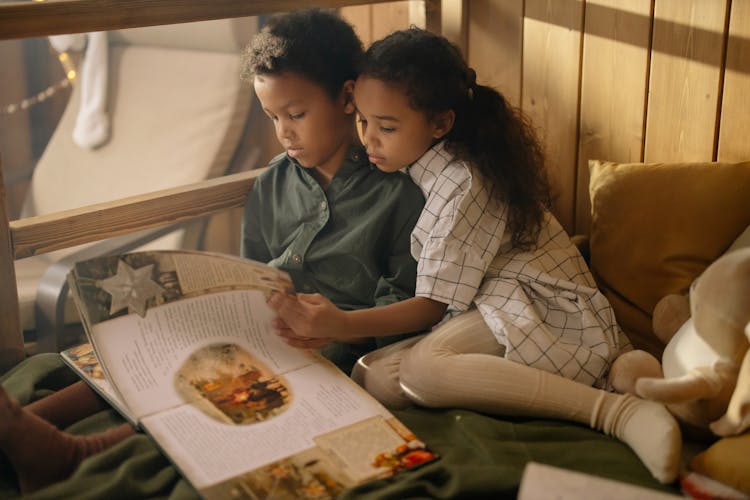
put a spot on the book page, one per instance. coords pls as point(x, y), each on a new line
point(199, 273)
point(142, 355)
point(323, 411)
point(545, 482)
point(82, 359)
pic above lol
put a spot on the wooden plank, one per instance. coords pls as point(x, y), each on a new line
point(433, 12)
point(389, 17)
point(360, 17)
point(613, 90)
point(455, 22)
point(735, 108)
point(418, 14)
point(45, 233)
point(684, 83)
point(551, 62)
point(11, 337)
point(32, 19)
point(496, 45)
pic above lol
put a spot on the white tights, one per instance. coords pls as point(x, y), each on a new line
point(460, 364)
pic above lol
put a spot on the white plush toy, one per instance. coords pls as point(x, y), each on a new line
point(704, 375)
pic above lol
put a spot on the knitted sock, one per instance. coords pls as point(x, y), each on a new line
point(40, 453)
point(458, 366)
point(646, 426)
point(69, 405)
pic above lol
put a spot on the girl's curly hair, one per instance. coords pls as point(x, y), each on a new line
point(488, 133)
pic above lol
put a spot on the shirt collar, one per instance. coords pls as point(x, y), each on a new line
point(429, 166)
point(356, 159)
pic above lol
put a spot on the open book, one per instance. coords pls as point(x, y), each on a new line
point(181, 343)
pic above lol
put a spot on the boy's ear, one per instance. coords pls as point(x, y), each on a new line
point(347, 92)
point(443, 123)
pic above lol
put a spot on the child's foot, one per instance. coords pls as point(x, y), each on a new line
point(67, 406)
point(40, 453)
point(647, 427)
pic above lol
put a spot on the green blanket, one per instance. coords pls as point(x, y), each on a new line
point(481, 456)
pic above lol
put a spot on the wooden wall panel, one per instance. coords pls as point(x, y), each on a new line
point(495, 45)
point(454, 22)
point(388, 17)
point(735, 111)
point(372, 22)
point(551, 62)
point(613, 89)
point(360, 16)
point(684, 84)
point(418, 13)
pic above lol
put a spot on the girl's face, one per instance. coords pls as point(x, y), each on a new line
point(395, 134)
point(314, 129)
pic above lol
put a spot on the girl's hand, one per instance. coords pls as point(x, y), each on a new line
point(309, 316)
point(288, 336)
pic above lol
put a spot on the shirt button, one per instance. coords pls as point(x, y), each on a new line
point(323, 204)
point(355, 156)
point(296, 259)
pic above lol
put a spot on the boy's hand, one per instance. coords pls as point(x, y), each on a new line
point(308, 317)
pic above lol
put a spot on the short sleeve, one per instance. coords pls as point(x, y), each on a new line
point(462, 235)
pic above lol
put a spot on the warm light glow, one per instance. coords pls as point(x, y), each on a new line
point(62, 56)
point(71, 74)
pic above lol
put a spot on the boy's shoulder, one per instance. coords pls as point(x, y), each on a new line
point(397, 189)
point(276, 170)
point(280, 160)
point(400, 180)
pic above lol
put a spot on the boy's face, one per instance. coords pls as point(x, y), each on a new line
point(395, 134)
point(314, 129)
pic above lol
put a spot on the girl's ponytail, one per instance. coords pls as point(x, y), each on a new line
point(501, 144)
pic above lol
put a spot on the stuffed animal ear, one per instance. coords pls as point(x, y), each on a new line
point(670, 313)
point(737, 417)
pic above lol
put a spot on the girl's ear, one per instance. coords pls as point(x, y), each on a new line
point(443, 123)
point(347, 92)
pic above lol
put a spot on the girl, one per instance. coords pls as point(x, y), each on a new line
point(540, 334)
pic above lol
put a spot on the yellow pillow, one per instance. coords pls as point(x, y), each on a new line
point(726, 461)
point(655, 227)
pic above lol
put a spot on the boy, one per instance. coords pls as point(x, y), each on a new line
point(338, 225)
point(335, 223)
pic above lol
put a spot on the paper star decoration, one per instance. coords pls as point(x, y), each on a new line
point(131, 288)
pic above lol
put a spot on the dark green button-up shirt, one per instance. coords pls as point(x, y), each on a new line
point(349, 242)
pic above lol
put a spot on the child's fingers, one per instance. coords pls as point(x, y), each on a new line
point(311, 298)
point(289, 310)
point(303, 342)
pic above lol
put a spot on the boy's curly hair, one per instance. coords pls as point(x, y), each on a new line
point(314, 43)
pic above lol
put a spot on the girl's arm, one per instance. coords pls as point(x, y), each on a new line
point(307, 319)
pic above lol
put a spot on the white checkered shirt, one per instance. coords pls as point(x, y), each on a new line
point(542, 304)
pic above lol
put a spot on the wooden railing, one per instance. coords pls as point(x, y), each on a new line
point(29, 19)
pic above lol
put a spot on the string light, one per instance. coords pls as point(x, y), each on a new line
point(70, 76)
